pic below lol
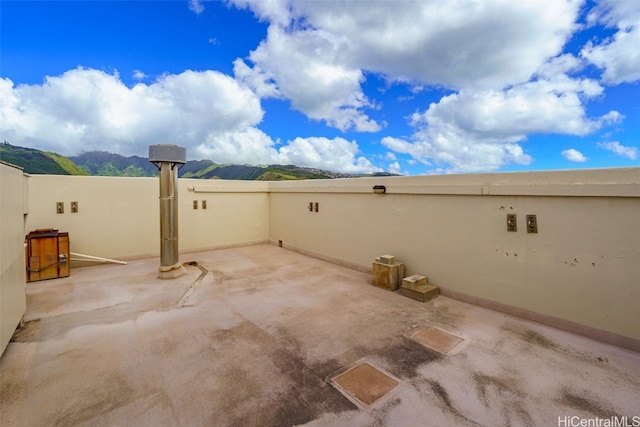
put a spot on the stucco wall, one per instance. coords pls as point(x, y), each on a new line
point(119, 217)
point(13, 301)
point(582, 265)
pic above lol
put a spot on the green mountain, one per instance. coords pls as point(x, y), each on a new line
point(196, 168)
point(66, 164)
point(38, 162)
point(102, 163)
point(109, 164)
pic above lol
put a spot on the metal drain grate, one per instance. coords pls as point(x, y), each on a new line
point(437, 339)
point(366, 383)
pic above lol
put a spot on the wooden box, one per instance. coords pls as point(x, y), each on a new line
point(47, 254)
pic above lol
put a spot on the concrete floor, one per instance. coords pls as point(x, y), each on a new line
point(263, 334)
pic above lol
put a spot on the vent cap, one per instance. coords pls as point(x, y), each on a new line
point(167, 153)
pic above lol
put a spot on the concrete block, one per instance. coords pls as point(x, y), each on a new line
point(417, 288)
point(386, 259)
point(387, 276)
point(415, 280)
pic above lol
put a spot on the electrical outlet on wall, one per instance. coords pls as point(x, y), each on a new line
point(512, 222)
point(532, 224)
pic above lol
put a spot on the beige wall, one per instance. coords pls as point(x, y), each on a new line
point(119, 217)
point(237, 213)
point(13, 301)
point(581, 268)
point(582, 265)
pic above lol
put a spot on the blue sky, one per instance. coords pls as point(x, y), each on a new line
point(404, 86)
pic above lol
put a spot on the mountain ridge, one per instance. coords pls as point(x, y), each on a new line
point(103, 163)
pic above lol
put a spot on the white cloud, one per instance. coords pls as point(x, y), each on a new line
point(390, 156)
point(543, 106)
point(255, 147)
point(477, 131)
point(394, 168)
point(336, 154)
point(249, 146)
point(209, 113)
point(274, 11)
point(573, 155)
point(503, 59)
point(612, 117)
point(490, 43)
point(84, 109)
point(196, 6)
point(316, 53)
point(619, 149)
point(256, 79)
point(458, 156)
point(308, 68)
point(620, 13)
point(618, 55)
point(560, 65)
point(139, 75)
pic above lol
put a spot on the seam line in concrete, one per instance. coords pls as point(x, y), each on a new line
point(185, 297)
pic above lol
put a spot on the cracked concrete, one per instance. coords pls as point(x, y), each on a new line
point(263, 334)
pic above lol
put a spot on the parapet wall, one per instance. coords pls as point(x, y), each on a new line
point(13, 207)
point(120, 217)
point(580, 271)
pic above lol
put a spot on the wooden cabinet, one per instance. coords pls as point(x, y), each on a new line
point(47, 254)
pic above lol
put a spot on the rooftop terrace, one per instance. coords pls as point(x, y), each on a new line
point(263, 336)
point(532, 327)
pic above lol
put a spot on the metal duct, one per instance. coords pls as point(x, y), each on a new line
point(168, 159)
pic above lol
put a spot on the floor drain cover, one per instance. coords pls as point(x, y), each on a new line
point(366, 383)
point(437, 339)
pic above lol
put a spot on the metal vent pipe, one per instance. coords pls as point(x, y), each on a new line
point(168, 159)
